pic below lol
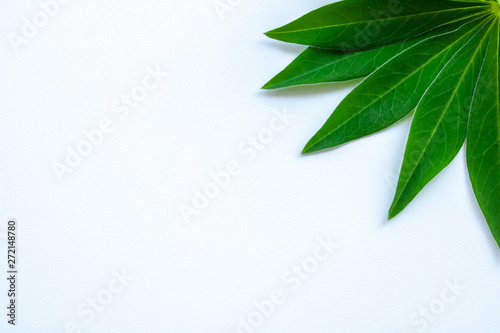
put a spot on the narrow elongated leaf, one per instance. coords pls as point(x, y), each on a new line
point(392, 91)
point(316, 65)
point(477, 1)
point(439, 127)
point(362, 24)
point(483, 141)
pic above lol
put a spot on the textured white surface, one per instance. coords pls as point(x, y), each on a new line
point(119, 209)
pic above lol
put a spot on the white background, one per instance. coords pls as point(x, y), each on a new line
point(118, 211)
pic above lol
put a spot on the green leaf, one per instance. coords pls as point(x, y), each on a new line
point(362, 24)
point(392, 91)
point(439, 127)
point(440, 57)
point(316, 65)
point(483, 141)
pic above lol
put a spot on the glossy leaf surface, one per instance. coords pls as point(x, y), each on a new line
point(362, 24)
point(483, 142)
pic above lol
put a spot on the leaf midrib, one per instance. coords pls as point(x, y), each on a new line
point(384, 20)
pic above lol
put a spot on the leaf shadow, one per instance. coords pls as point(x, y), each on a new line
point(294, 49)
point(310, 89)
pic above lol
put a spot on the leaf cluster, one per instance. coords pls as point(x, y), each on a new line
point(438, 58)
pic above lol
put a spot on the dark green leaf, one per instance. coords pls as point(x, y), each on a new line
point(392, 91)
point(439, 127)
point(317, 65)
point(361, 24)
point(483, 141)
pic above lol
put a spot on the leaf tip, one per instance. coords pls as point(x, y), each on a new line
point(393, 212)
point(275, 34)
point(311, 146)
point(267, 86)
point(269, 34)
point(307, 150)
